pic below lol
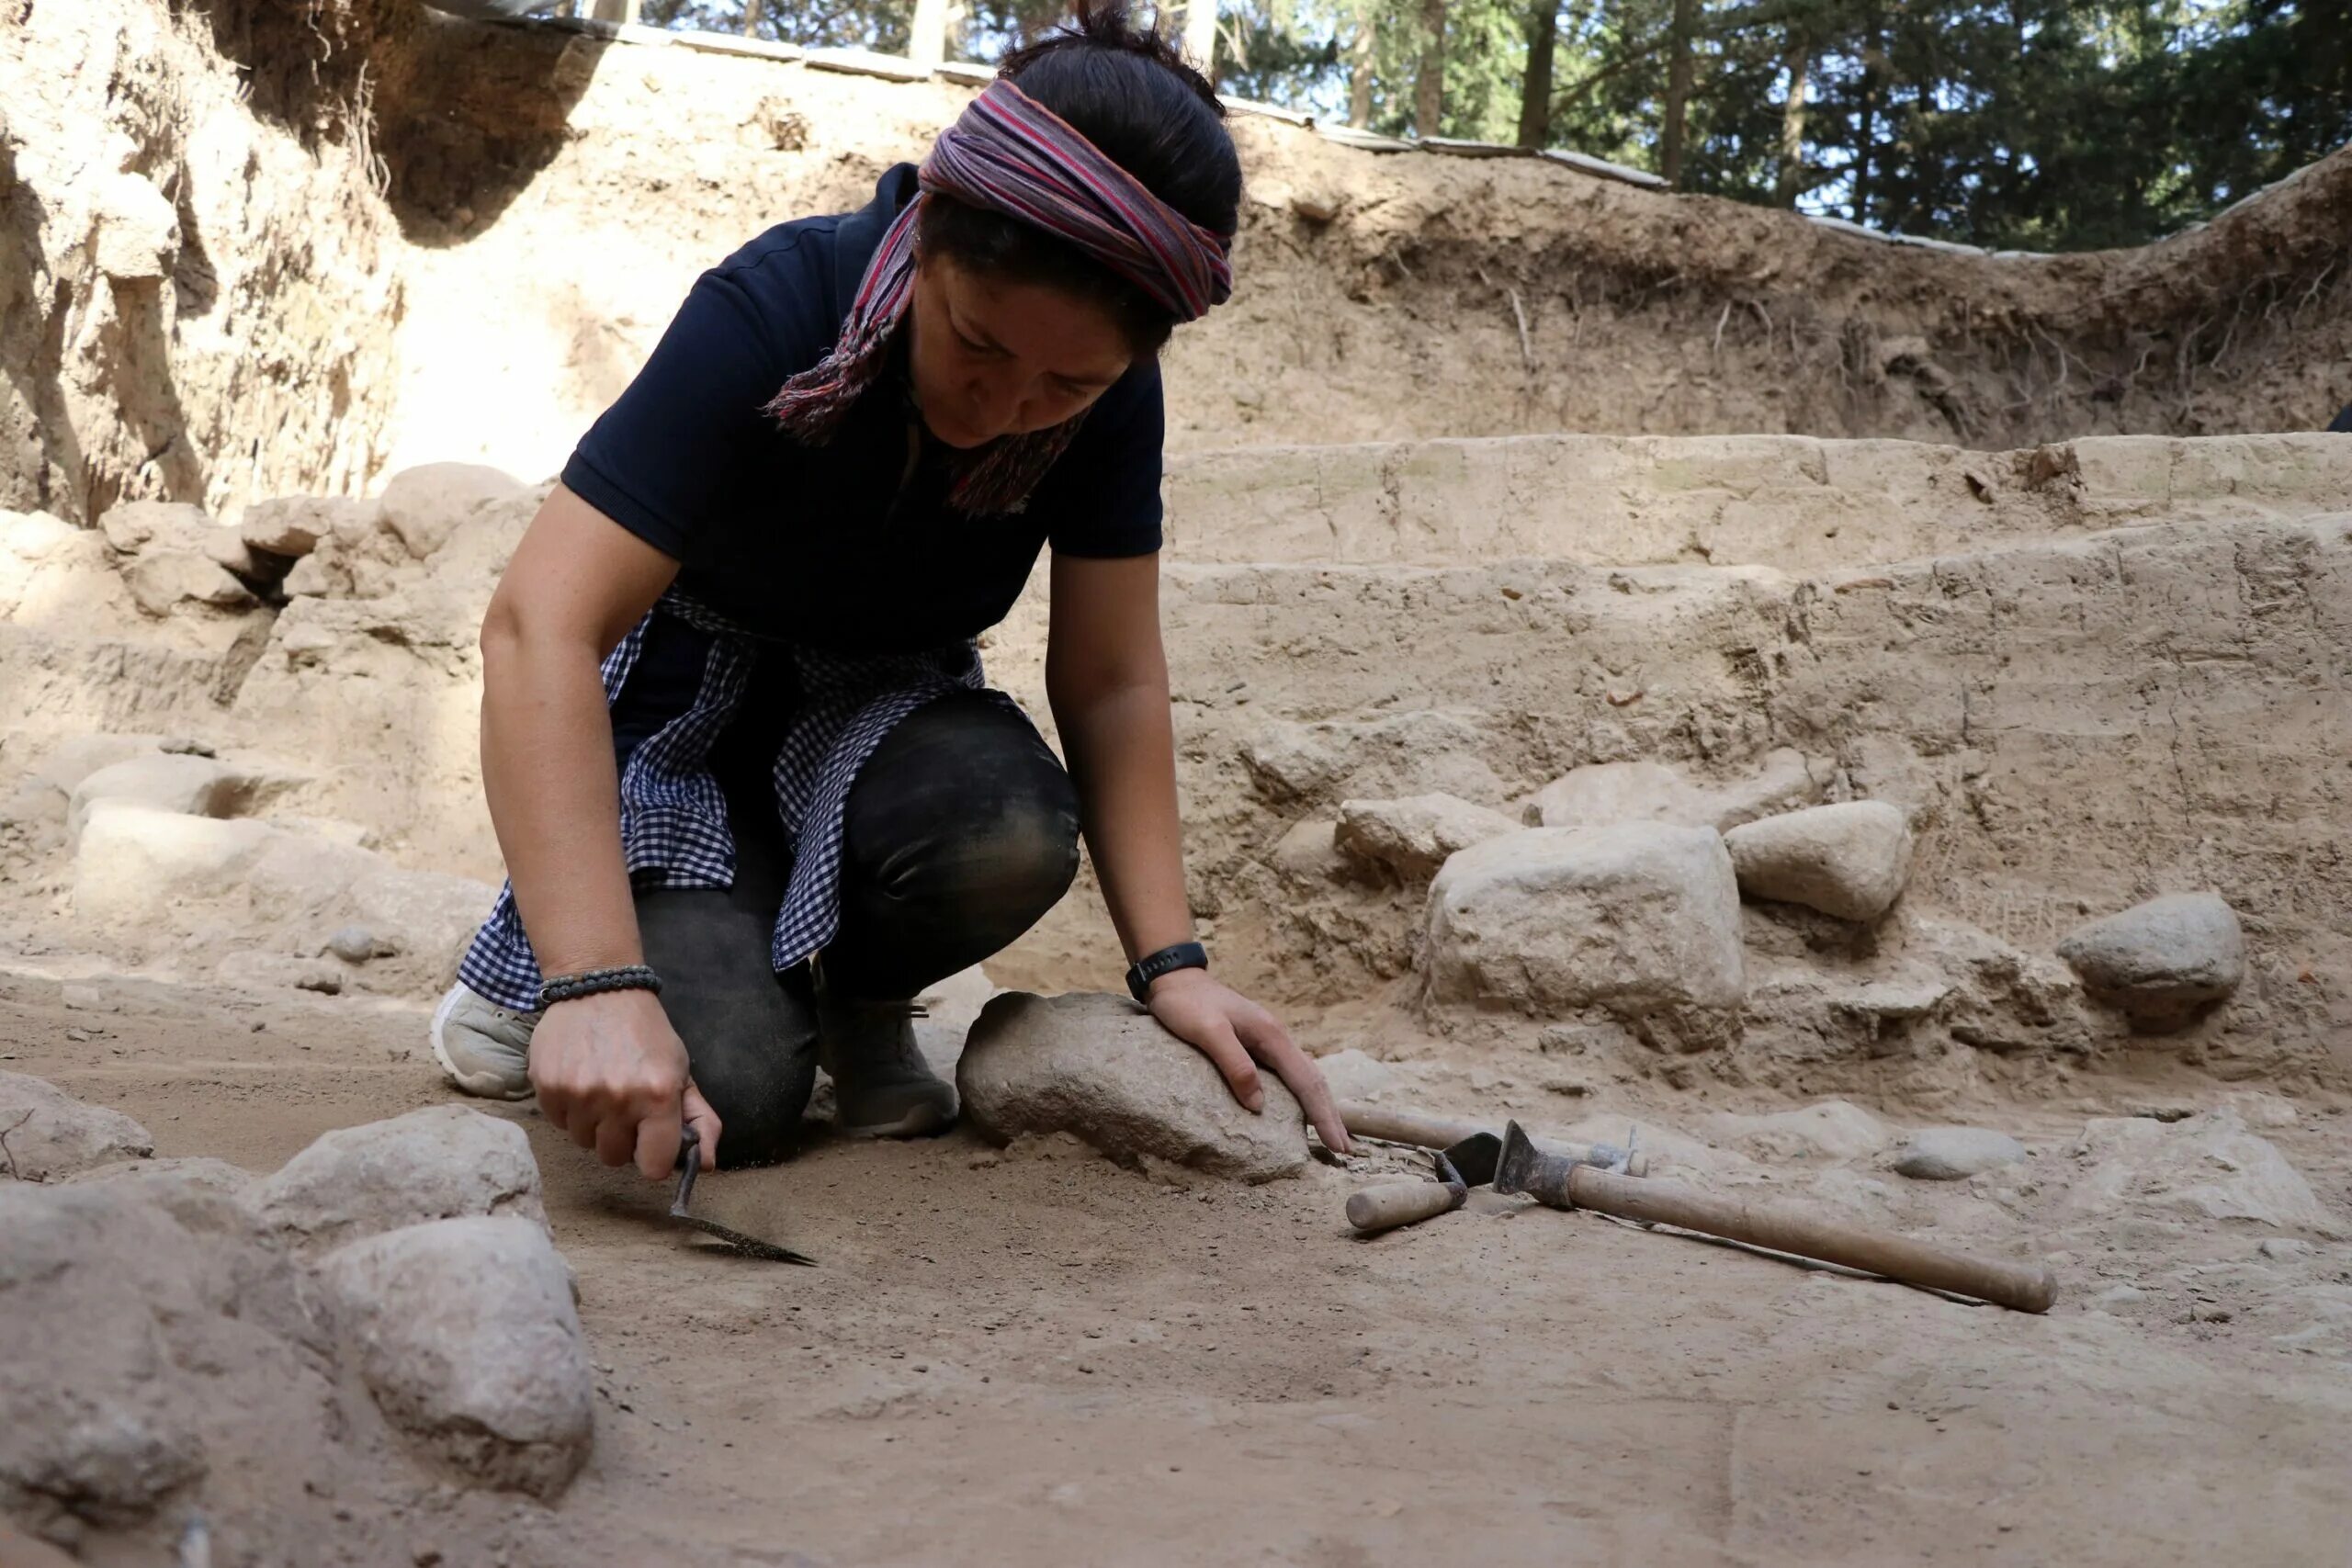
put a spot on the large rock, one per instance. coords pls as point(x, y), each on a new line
point(1104, 1069)
point(177, 782)
point(1849, 859)
point(293, 525)
point(424, 506)
point(1955, 1153)
point(443, 1162)
point(97, 1290)
point(1602, 793)
point(469, 1341)
point(2207, 1168)
point(46, 1135)
point(1641, 919)
point(1412, 838)
point(2163, 961)
point(162, 579)
point(132, 862)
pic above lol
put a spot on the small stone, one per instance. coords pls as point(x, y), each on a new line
point(1955, 1153)
point(1412, 838)
point(1103, 1069)
point(469, 1343)
point(1641, 919)
point(442, 1162)
point(2164, 961)
point(353, 944)
point(1317, 204)
point(2285, 1248)
point(46, 1135)
point(1352, 1074)
point(324, 981)
point(1849, 859)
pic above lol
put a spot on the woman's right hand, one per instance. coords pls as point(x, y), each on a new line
point(610, 1071)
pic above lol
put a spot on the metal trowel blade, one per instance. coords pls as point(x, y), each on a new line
point(690, 1166)
point(1476, 1158)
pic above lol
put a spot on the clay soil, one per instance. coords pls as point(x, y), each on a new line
point(1037, 1357)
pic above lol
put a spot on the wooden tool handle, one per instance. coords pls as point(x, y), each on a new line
point(2023, 1286)
point(1394, 1203)
point(1427, 1132)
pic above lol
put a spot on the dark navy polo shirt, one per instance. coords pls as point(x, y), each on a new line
point(820, 545)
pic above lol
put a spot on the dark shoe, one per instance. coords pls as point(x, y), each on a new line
point(882, 1085)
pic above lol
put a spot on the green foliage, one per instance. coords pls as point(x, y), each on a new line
point(2042, 124)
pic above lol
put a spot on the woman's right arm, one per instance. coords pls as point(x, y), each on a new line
point(608, 1068)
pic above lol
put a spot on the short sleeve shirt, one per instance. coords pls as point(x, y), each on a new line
point(823, 545)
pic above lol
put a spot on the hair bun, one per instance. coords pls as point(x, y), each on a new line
point(1110, 23)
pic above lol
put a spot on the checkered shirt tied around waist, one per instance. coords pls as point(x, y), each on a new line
point(674, 830)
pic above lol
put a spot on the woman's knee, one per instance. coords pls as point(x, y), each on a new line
point(974, 813)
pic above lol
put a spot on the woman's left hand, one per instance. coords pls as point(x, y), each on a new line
point(1238, 1035)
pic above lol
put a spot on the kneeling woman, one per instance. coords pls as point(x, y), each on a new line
point(753, 793)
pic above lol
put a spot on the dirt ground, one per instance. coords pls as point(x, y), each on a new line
point(1037, 1357)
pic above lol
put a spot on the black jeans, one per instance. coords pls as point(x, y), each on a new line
point(959, 834)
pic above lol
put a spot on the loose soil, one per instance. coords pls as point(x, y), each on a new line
point(1038, 1357)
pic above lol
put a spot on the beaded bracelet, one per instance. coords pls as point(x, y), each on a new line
point(595, 981)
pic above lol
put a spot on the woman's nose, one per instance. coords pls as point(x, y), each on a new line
point(1003, 401)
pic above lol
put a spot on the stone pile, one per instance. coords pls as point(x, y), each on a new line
point(392, 1292)
point(1617, 900)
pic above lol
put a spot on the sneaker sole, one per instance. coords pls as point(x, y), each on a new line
point(481, 1086)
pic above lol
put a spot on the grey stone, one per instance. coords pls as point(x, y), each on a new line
point(1953, 1154)
point(470, 1343)
point(1104, 1069)
point(2163, 961)
point(1641, 919)
point(1415, 836)
point(353, 944)
point(1850, 860)
point(1601, 795)
point(50, 1135)
point(439, 1163)
point(2284, 1248)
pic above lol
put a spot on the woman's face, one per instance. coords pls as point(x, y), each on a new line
point(992, 357)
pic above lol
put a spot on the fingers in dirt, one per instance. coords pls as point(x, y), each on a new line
point(1272, 1044)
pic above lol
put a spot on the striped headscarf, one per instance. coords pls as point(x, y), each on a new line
point(1008, 153)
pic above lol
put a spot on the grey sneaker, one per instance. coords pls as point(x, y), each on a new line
point(484, 1048)
point(882, 1085)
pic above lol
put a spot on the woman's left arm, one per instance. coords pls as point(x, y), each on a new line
point(1106, 676)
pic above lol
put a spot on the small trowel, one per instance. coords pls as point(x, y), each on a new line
point(690, 1166)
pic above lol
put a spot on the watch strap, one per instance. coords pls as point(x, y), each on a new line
point(1166, 961)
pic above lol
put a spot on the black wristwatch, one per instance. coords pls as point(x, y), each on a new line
point(1166, 961)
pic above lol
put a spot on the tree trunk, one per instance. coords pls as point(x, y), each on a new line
point(1866, 121)
point(1790, 183)
point(1429, 84)
point(752, 17)
point(1535, 93)
point(1360, 60)
point(1678, 91)
point(1200, 35)
point(617, 10)
point(927, 37)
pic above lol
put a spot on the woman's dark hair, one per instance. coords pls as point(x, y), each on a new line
point(1127, 90)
